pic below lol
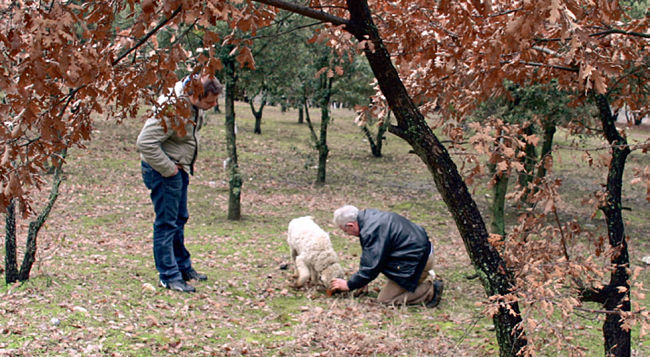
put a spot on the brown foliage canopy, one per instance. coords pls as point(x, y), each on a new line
point(63, 61)
point(461, 51)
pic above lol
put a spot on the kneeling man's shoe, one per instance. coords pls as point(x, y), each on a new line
point(178, 285)
point(438, 287)
point(193, 275)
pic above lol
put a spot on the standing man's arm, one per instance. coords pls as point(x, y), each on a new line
point(149, 145)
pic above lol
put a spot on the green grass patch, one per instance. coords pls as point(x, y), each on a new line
point(95, 272)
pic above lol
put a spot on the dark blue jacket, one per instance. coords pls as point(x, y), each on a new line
point(393, 245)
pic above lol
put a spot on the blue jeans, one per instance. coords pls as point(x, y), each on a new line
point(169, 197)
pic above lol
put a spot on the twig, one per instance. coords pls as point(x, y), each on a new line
point(608, 312)
point(537, 64)
point(621, 32)
point(632, 147)
point(506, 12)
point(184, 33)
point(562, 236)
point(468, 329)
point(547, 50)
point(596, 34)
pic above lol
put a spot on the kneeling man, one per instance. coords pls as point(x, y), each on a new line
point(396, 247)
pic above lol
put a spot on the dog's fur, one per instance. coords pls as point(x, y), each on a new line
point(312, 253)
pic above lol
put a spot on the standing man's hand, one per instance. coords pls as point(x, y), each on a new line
point(339, 284)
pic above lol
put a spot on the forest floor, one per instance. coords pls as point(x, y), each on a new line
point(93, 290)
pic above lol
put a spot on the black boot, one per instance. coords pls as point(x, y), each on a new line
point(438, 287)
point(178, 285)
point(193, 275)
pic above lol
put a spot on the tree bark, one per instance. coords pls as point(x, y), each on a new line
point(617, 298)
point(323, 150)
point(499, 191)
point(234, 177)
point(12, 274)
point(320, 141)
point(547, 148)
point(371, 140)
point(497, 208)
point(36, 225)
point(300, 115)
point(381, 131)
point(412, 127)
point(376, 142)
point(258, 113)
point(11, 264)
point(314, 137)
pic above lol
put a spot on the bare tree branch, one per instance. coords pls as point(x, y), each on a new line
point(506, 12)
point(547, 50)
point(538, 64)
point(149, 34)
point(617, 31)
point(610, 31)
point(307, 12)
point(272, 36)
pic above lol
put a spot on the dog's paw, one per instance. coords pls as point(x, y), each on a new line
point(295, 286)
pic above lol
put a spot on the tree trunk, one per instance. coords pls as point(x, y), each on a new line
point(547, 148)
point(412, 127)
point(314, 137)
point(258, 113)
point(300, 115)
point(320, 142)
point(323, 150)
point(381, 131)
point(12, 274)
point(499, 191)
point(235, 180)
point(36, 225)
point(617, 298)
point(376, 143)
point(497, 209)
point(373, 147)
point(11, 264)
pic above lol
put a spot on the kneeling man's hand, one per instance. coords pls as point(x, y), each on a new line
point(339, 284)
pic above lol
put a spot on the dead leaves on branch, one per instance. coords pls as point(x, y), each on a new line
point(60, 67)
point(504, 144)
point(517, 41)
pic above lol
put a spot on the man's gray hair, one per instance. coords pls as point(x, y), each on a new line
point(211, 85)
point(345, 215)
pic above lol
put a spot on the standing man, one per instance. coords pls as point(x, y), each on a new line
point(168, 151)
point(396, 247)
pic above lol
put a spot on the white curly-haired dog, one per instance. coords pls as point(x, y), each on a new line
point(312, 253)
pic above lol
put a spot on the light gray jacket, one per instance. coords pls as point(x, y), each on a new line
point(163, 149)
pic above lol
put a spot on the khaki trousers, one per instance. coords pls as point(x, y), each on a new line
point(393, 294)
